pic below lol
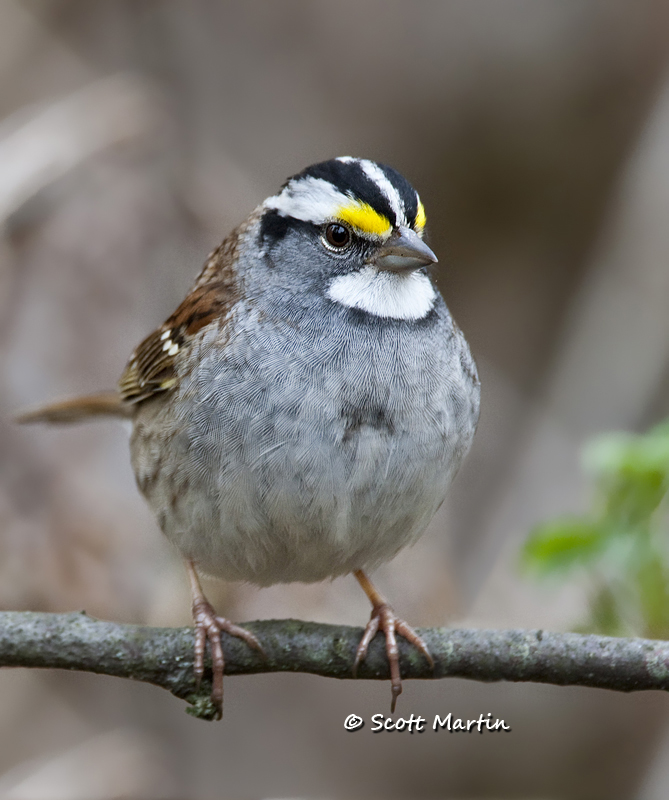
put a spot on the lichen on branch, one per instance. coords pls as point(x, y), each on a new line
point(164, 656)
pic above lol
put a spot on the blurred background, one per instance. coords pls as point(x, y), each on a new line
point(134, 136)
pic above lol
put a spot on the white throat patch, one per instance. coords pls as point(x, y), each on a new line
point(396, 295)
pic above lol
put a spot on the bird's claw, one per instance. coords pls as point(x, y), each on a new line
point(384, 618)
point(208, 627)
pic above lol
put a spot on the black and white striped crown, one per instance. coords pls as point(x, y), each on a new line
point(372, 198)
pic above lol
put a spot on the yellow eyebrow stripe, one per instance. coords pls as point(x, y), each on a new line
point(421, 219)
point(364, 218)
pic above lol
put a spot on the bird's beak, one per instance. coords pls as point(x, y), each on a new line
point(404, 251)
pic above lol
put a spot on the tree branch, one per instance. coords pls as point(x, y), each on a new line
point(164, 656)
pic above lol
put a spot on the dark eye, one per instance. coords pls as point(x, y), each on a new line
point(337, 235)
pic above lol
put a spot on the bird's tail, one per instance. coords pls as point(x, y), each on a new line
point(78, 409)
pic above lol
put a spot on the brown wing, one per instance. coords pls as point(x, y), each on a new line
point(151, 367)
point(154, 365)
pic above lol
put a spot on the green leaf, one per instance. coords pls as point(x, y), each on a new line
point(616, 453)
point(632, 473)
point(622, 545)
point(561, 544)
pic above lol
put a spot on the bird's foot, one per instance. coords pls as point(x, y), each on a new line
point(208, 627)
point(384, 618)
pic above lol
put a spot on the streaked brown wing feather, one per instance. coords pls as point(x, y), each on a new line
point(151, 367)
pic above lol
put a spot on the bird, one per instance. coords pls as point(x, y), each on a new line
point(302, 413)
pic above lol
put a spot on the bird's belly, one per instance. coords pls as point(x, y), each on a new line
point(297, 457)
point(293, 497)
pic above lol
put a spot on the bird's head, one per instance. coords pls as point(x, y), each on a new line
point(353, 229)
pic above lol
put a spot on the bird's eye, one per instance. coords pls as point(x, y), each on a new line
point(337, 235)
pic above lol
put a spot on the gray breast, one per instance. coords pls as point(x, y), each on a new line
point(306, 450)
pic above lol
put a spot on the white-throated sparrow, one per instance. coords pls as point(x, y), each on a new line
point(303, 411)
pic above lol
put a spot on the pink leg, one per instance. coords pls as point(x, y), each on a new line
point(384, 618)
point(208, 626)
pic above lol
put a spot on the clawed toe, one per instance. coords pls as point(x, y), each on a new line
point(241, 633)
point(408, 633)
point(208, 628)
point(384, 618)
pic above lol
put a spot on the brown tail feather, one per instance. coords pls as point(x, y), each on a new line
point(78, 409)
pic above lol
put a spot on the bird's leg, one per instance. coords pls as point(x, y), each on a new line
point(384, 618)
point(208, 626)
